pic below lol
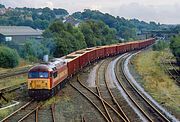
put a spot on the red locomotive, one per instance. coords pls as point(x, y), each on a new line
point(45, 80)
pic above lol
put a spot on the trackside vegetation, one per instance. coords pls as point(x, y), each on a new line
point(175, 47)
point(160, 45)
point(155, 80)
point(63, 38)
point(9, 58)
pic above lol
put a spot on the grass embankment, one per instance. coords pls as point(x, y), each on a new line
point(7, 82)
point(154, 79)
point(23, 64)
point(12, 81)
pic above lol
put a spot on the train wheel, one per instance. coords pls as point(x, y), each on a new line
point(52, 92)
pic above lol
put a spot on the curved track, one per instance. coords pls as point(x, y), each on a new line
point(91, 95)
point(175, 74)
point(149, 112)
point(105, 92)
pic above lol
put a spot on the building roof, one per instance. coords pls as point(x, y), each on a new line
point(19, 30)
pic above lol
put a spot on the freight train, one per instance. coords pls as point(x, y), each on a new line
point(46, 79)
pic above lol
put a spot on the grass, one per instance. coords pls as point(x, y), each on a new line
point(161, 87)
point(5, 112)
point(11, 81)
point(14, 80)
point(23, 63)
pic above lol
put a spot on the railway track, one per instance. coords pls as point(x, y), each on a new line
point(30, 112)
point(104, 91)
point(12, 88)
point(172, 65)
point(53, 113)
point(175, 74)
point(23, 112)
point(91, 101)
point(14, 73)
point(149, 112)
point(109, 105)
point(95, 100)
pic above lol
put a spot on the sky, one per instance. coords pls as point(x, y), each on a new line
point(163, 11)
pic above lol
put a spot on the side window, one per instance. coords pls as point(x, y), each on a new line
point(51, 74)
point(55, 74)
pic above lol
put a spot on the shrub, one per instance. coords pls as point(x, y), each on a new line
point(9, 58)
point(160, 45)
point(175, 47)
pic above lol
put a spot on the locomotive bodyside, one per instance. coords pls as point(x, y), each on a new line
point(45, 80)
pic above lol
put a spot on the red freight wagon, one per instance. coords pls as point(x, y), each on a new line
point(127, 47)
point(112, 50)
point(99, 52)
point(91, 52)
point(72, 64)
point(135, 45)
point(121, 48)
point(83, 58)
point(107, 51)
point(141, 44)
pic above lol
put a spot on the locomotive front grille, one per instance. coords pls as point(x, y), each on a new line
point(38, 84)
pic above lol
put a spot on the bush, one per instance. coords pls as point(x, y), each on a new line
point(160, 45)
point(33, 50)
point(9, 58)
point(175, 48)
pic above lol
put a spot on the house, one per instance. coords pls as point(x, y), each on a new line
point(2, 11)
point(72, 20)
point(19, 34)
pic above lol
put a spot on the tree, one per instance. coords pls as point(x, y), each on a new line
point(175, 48)
point(88, 34)
point(60, 11)
point(113, 22)
point(33, 50)
point(9, 58)
point(97, 33)
point(160, 45)
point(2, 6)
point(65, 37)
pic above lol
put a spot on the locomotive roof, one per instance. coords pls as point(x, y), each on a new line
point(49, 66)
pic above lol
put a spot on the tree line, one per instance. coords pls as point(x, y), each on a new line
point(67, 38)
point(39, 18)
point(175, 47)
point(59, 40)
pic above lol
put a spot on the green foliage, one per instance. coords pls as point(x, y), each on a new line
point(9, 58)
point(175, 47)
point(65, 38)
point(35, 18)
point(2, 6)
point(97, 33)
point(123, 27)
point(176, 29)
point(143, 26)
point(62, 38)
point(160, 45)
point(32, 50)
point(60, 11)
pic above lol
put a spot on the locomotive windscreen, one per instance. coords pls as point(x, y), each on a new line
point(38, 75)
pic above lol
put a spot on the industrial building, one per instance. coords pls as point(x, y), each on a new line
point(19, 34)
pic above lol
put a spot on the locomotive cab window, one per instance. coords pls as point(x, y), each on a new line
point(43, 74)
point(38, 74)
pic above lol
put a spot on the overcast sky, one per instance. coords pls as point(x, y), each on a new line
point(163, 11)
